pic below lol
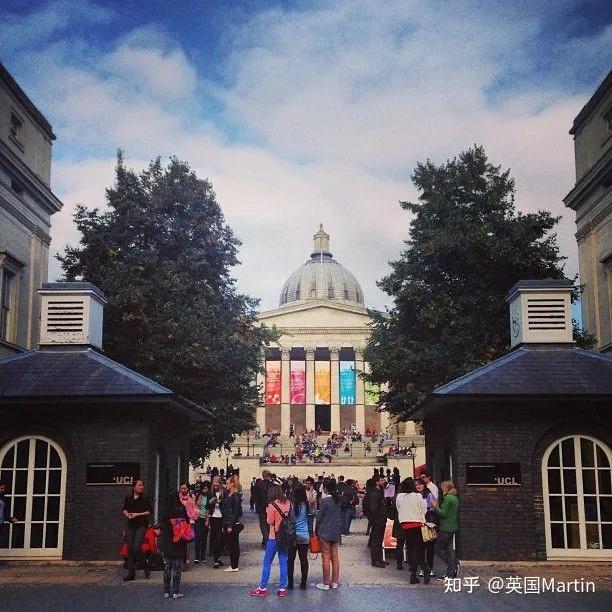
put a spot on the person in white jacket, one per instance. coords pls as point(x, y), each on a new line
point(411, 516)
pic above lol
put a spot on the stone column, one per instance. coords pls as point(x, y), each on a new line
point(285, 392)
point(335, 388)
point(260, 415)
point(310, 389)
point(360, 391)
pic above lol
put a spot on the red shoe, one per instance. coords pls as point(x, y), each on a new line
point(259, 592)
point(282, 592)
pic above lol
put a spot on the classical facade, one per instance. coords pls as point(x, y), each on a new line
point(312, 375)
point(591, 198)
point(26, 206)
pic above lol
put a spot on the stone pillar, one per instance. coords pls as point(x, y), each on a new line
point(310, 389)
point(360, 394)
point(285, 392)
point(260, 415)
point(384, 415)
point(335, 388)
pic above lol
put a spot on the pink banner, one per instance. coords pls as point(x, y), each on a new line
point(298, 382)
point(273, 383)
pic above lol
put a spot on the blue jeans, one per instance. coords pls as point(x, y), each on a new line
point(271, 550)
point(347, 517)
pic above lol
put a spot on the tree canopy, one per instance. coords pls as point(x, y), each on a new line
point(162, 253)
point(468, 246)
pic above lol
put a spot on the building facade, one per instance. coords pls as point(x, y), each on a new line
point(591, 198)
point(26, 206)
point(534, 481)
point(76, 430)
point(312, 375)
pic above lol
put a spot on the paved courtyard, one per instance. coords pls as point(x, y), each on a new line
point(25, 586)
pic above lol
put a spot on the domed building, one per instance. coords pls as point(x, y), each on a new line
point(312, 374)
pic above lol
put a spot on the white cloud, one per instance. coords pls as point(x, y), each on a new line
point(345, 99)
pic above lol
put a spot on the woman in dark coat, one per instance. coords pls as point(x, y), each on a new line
point(231, 512)
point(173, 552)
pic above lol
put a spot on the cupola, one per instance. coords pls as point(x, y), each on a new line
point(540, 312)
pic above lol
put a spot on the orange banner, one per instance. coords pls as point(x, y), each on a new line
point(322, 382)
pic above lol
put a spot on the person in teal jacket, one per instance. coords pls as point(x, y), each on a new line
point(447, 511)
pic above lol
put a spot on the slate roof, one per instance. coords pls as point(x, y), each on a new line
point(537, 370)
point(72, 373)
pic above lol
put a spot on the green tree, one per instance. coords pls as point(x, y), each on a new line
point(162, 253)
point(468, 245)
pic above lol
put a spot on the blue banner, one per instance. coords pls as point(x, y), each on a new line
point(347, 383)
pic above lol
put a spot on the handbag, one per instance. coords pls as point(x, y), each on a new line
point(238, 527)
point(429, 532)
point(315, 544)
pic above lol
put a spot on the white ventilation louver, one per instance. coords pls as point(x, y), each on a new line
point(71, 314)
point(540, 312)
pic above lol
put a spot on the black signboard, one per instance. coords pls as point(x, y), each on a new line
point(112, 473)
point(493, 474)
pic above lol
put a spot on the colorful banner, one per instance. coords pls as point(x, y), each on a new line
point(372, 394)
point(347, 382)
point(322, 382)
point(298, 382)
point(273, 383)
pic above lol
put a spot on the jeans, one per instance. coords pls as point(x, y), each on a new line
point(201, 536)
point(271, 550)
point(264, 527)
point(216, 537)
point(134, 536)
point(302, 551)
point(232, 541)
point(376, 541)
point(347, 517)
point(172, 573)
point(416, 550)
point(444, 548)
point(329, 556)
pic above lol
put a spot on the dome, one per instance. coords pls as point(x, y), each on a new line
point(321, 278)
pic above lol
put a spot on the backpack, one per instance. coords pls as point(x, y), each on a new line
point(286, 533)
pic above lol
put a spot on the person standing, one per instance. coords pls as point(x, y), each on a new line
point(261, 504)
point(216, 521)
point(231, 512)
point(411, 516)
point(300, 509)
point(201, 524)
point(173, 551)
point(254, 484)
point(377, 515)
point(430, 517)
point(193, 512)
point(329, 530)
point(136, 510)
point(448, 512)
point(277, 510)
point(425, 477)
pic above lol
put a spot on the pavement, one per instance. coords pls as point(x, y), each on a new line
point(85, 586)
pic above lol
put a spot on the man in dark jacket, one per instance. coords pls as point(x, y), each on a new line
point(261, 503)
point(377, 514)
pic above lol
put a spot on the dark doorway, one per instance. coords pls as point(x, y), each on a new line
point(323, 417)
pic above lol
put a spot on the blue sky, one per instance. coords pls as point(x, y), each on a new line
point(308, 112)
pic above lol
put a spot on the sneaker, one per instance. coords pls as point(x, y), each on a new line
point(334, 585)
point(177, 596)
point(322, 587)
point(216, 565)
point(231, 569)
point(420, 574)
point(442, 577)
point(167, 595)
point(431, 573)
point(282, 592)
point(259, 592)
point(196, 561)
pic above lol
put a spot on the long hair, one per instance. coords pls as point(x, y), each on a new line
point(407, 486)
point(448, 486)
point(276, 493)
point(299, 498)
point(329, 486)
point(234, 480)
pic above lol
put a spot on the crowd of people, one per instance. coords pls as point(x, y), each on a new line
point(295, 517)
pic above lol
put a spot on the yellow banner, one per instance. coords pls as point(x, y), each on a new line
point(322, 382)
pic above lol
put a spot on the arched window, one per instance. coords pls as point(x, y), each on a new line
point(577, 482)
point(34, 469)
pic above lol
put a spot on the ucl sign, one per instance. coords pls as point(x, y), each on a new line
point(493, 474)
point(126, 473)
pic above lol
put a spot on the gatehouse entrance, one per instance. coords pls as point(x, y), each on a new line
point(323, 417)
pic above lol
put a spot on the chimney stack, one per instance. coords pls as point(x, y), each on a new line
point(71, 314)
point(540, 312)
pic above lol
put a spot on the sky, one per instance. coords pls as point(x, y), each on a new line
point(303, 112)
